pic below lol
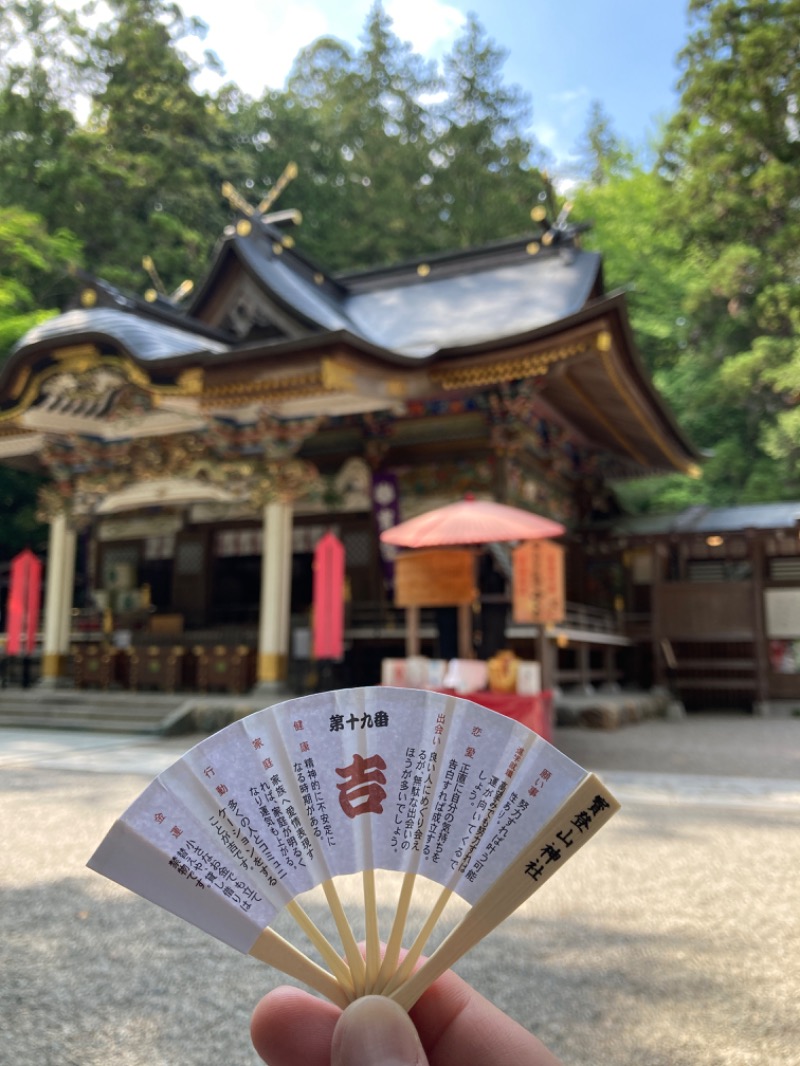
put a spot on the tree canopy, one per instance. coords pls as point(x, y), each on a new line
point(720, 229)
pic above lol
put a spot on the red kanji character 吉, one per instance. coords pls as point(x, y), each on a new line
point(361, 791)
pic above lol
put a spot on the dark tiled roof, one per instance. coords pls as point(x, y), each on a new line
point(461, 299)
point(144, 338)
point(706, 520)
point(291, 287)
point(462, 309)
point(458, 301)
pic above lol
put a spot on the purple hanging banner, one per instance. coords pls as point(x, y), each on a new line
point(386, 507)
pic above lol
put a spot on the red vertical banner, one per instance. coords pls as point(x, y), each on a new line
point(22, 614)
point(329, 598)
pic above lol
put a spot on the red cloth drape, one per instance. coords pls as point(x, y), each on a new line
point(22, 615)
point(329, 559)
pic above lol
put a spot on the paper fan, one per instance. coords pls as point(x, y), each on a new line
point(351, 782)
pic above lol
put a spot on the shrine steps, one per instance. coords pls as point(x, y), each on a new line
point(122, 712)
point(613, 708)
point(156, 713)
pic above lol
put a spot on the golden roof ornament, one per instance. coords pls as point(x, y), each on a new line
point(236, 200)
point(240, 204)
point(290, 172)
point(182, 291)
point(150, 267)
point(559, 231)
point(158, 289)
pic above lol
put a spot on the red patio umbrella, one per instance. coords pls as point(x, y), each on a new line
point(471, 521)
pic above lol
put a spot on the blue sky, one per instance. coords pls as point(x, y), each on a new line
point(564, 53)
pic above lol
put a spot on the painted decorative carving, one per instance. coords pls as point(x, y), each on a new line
point(270, 436)
point(102, 392)
point(353, 485)
point(286, 481)
point(86, 472)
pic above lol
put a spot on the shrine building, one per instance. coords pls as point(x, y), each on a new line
point(195, 454)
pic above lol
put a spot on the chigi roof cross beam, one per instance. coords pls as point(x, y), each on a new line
point(239, 203)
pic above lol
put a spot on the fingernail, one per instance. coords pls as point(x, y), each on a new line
point(375, 1031)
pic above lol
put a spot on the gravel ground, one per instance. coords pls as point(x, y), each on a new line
point(673, 939)
point(707, 744)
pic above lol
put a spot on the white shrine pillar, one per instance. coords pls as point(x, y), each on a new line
point(58, 601)
point(274, 629)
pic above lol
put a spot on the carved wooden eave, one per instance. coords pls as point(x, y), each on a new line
point(586, 375)
point(330, 376)
point(86, 390)
point(590, 375)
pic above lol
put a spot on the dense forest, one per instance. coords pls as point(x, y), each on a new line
point(109, 154)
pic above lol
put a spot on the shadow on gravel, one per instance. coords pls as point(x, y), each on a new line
point(93, 977)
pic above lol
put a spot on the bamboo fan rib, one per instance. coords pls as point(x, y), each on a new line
point(299, 797)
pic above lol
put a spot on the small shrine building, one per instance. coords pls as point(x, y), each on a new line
point(196, 454)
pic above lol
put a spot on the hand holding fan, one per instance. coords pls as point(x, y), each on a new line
point(350, 782)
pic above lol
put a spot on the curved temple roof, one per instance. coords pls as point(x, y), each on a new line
point(455, 302)
point(472, 308)
point(457, 322)
point(702, 520)
point(146, 339)
point(399, 312)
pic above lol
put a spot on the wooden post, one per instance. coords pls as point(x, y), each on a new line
point(413, 643)
point(465, 648)
point(660, 551)
point(584, 676)
point(545, 659)
point(760, 655)
point(609, 665)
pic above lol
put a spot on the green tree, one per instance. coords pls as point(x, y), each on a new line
point(33, 264)
point(40, 78)
point(369, 145)
point(630, 212)
point(483, 160)
point(148, 166)
point(602, 154)
point(732, 153)
point(395, 162)
point(630, 215)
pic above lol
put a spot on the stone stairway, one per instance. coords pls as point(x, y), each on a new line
point(123, 712)
point(610, 709)
point(161, 714)
point(101, 711)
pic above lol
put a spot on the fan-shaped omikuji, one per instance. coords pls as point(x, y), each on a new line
point(350, 782)
point(470, 521)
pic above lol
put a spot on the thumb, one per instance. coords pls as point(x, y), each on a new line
point(375, 1031)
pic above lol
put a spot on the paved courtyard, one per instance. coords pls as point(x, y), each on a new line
point(673, 939)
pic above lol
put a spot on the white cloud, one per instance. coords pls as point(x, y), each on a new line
point(561, 136)
point(424, 23)
point(258, 41)
point(572, 98)
point(257, 46)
